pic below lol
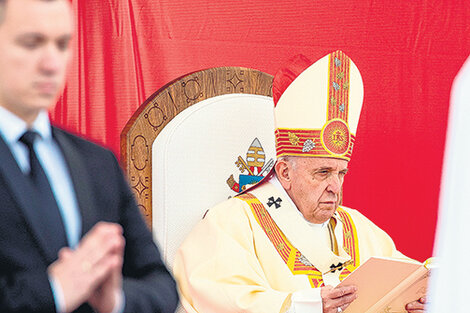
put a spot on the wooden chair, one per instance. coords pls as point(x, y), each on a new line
point(194, 143)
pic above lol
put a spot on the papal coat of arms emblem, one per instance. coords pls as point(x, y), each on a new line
point(254, 165)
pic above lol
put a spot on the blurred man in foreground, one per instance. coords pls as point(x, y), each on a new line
point(283, 245)
point(72, 238)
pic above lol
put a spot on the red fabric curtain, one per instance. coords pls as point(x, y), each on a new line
point(407, 51)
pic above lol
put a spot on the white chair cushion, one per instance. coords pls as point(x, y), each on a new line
point(195, 154)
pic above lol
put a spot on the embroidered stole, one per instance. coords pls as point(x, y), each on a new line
point(295, 261)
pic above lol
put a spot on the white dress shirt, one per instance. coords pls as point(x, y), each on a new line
point(53, 162)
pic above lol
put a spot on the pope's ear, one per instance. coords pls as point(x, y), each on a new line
point(284, 173)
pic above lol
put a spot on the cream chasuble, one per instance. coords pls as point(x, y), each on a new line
point(252, 252)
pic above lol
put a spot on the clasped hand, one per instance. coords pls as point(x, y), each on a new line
point(93, 271)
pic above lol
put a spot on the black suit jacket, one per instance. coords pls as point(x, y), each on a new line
point(103, 195)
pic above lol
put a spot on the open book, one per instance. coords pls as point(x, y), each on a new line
point(387, 285)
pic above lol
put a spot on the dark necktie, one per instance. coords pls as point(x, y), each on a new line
point(50, 214)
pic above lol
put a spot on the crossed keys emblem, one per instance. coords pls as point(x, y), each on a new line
point(276, 202)
point(240, 163)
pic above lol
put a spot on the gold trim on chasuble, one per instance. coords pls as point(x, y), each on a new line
point(293, 258)
point(334, 139)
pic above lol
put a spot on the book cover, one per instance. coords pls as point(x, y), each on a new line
point(386, 285)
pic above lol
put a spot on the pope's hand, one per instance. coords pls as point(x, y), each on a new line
point(339, 297)
point(416, 306)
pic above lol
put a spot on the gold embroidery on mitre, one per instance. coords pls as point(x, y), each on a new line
point(338, 86)
point(335, 137)
point(333, 100)
point(293, 139)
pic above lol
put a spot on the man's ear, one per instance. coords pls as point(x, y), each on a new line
point(284, 173)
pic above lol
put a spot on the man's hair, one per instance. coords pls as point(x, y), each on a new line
point(2, 8)
point(291, 159)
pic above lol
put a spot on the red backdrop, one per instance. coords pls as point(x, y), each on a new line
point(407, 51)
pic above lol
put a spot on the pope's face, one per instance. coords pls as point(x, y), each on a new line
point(34, 53)
point(316, 186)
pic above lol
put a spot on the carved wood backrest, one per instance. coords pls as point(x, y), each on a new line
point(161, 107)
